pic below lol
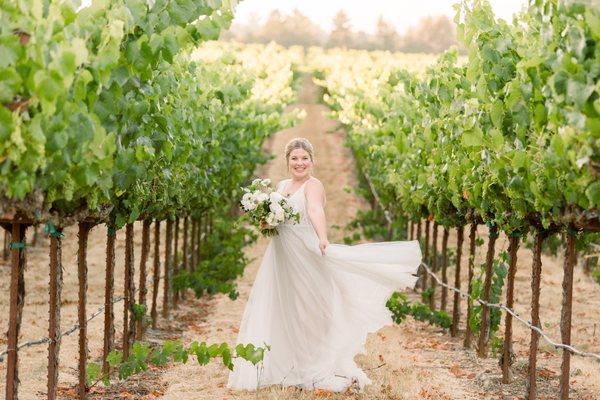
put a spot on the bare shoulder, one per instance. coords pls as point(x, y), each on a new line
point(314, 185)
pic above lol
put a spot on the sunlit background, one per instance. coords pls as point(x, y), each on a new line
point(363, 15)
point(425, 26)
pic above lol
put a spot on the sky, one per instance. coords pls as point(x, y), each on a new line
point(364, 14)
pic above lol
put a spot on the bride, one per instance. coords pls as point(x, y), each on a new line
point(314, 302)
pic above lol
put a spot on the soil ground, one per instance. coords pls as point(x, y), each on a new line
point(408, 361)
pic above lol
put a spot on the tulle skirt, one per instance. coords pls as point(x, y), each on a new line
point(315, 311)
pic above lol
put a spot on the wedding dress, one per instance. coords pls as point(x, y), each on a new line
point(315, 311)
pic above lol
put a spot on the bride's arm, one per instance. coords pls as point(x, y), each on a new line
point(315, 201)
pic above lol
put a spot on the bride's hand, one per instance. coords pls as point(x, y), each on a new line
point(323, 243)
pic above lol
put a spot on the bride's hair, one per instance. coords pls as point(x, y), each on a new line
point(299, 143)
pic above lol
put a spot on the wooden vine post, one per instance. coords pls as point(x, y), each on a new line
point(507, 351)
point(109, 290)
point(34, 240)
point(6, 245)
point(433, 258)
point(15, 312)
point(472, 234)
point(536, 276)
point(199, 238)
point(456, 305)
point(128, 293)
point(143, 262)
point(185, 244)
point(444, 300)
point(427, 235)
point(55, 289)
point(411, 230)
point(83, 234)
point(168, 269)
point(193, 252)
point(566, 311)
point(423, 270)
point(484, 329)
point(155, 273)
point(176, 261)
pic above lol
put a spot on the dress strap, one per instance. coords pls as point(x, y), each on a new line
point(297, 190)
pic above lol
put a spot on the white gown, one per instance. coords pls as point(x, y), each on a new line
point(315, 311)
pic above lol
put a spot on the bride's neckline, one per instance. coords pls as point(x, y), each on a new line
point(290, 195)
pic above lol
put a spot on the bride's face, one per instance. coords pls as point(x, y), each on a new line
point(300, 164)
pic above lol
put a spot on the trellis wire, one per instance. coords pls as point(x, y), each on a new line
point(514, 314)
point(68, 332)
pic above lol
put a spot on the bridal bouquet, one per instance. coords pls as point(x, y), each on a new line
point(266, 208)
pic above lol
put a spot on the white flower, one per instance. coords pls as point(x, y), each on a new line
point(259, 197)
point(276, 208)
point(271, 220)
point(266, 182)
point(278, 211)
point(276, 197)
point(280, 216)
point(248, 202)
point(256, 181)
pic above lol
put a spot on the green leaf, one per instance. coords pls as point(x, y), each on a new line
point(10, 84)
point(593, 194)
point(497, 139)
point(93, 373)
point(114, 358)
point(579, 92)
point(497, 113)
point(473, 137)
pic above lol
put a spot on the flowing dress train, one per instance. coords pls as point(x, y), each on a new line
point(315, 311)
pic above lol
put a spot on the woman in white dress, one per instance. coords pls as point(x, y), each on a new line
point(313, 302)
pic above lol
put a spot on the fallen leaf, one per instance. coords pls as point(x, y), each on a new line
point(546, 373)
point(322, 393)
point(457, 372)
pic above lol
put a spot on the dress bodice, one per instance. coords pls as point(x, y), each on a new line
point(296, 200)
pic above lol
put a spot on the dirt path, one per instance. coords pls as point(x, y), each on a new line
point(409, 361)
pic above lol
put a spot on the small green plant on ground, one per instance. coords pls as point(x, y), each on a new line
point(400, 307)
point(142, 355)
point(596, 275)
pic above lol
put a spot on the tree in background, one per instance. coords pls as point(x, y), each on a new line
point(290, 30)
point(430, 35)
point(386, 36)
point(341, 35)
point(303, 31)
